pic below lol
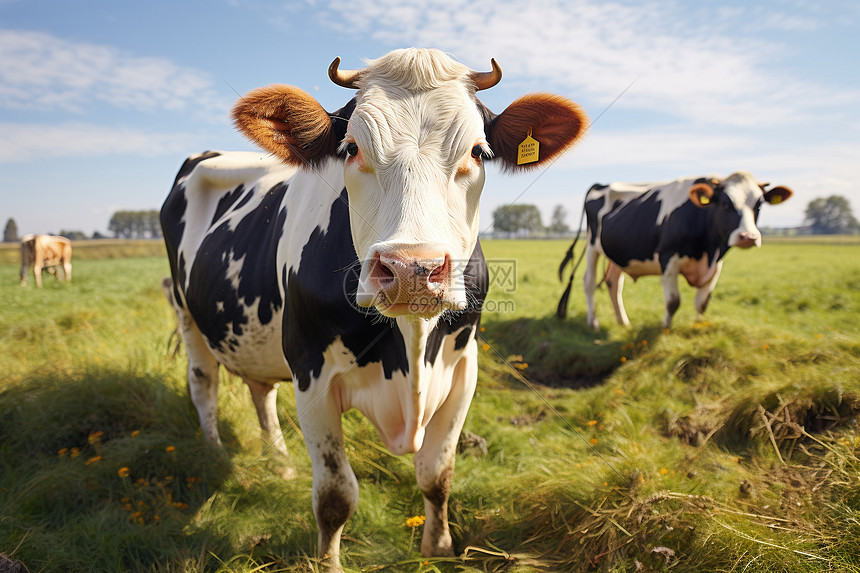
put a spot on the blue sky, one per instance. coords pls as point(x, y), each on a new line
point(100, 102)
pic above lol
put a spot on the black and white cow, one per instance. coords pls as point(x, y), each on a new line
point(349, 262)
point(681, 227)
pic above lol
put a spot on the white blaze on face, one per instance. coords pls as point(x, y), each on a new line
point(413, 182)
point(745, 194)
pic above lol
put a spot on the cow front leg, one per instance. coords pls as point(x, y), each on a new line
point(335, 489)
point(37, 273)
point(202, 375)
point(615, 282)
point(703, 295)
point(265, 397)
point(590, 283)
point(434, 462)
point(671, 294)
point(67, 271)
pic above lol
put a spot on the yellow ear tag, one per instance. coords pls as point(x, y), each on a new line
point(776, 199)
point(528, 151)
point(704, 200)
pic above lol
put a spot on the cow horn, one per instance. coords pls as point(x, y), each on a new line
point(344, 78)
point(486, 80)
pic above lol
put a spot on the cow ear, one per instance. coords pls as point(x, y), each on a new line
point(287, 122)
point(553, 121)
point(778, 195)
point(701, 195)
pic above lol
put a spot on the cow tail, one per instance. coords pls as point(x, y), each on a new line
point(561, 311)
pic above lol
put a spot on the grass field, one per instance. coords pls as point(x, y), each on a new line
point(729, 445)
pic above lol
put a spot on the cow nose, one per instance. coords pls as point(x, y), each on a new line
point(412, 283)
point(747, 240)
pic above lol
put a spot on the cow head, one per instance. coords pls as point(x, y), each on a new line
point(413, 142)
point(736, 201)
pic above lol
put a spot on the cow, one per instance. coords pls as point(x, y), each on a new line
point(681, 227)
point(45, 252)
point(347, 260)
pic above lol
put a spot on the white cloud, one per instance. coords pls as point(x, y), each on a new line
point(39, 71)
point(23, 142)
point(687, 67)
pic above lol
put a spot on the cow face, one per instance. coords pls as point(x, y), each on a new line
point(736, 202)
point(413, 143)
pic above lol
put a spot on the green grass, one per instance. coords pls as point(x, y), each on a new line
point(729, 445)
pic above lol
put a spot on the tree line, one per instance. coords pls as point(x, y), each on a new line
point(825, 215)
point(123, 225)
point(136, 224)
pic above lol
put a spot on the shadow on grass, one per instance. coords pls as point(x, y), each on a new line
point(563, 353)
point(103, 470)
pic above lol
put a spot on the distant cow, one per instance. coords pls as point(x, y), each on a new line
point(350, 263)
point(45, 252)
point(684, 227)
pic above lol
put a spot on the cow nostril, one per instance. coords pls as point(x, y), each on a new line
point(440, 273)
point(385, 274)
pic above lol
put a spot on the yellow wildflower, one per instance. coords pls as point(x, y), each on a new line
point(663, 471)
point(592, 422)
point(485, 347)
point(593, 441)
point(93, 460)
point(63, 452)
point(415, 521)
point(95, 437)
point(123, 472)
point(135, 433)
point(74, 452)
point(170, 449)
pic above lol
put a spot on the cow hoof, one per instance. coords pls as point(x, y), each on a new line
point(331, 565)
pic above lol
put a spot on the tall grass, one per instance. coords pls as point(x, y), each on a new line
point(728, 445)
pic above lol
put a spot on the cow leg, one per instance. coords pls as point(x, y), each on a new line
point(703, 295)
point(434, 462)
point(37, 272)
point(590, 281)
point(202, 375)
point(670, 291)
point(67, 271)
point(24, 269)
point(615, 282)
point(335, 489)
point(265, 402)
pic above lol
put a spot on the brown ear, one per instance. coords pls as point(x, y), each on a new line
point(778, 195)
point(701, 195)
point(553, 121)
point(287, 122)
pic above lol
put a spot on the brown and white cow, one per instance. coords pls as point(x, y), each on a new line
point(349, 262)
point(681, 227)
point(48, 252)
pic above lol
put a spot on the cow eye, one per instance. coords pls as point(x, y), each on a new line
point(352, 149)
point(479, 153)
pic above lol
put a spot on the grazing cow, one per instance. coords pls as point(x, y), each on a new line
point(45, 252)
point(350, 263)
point(684, 227)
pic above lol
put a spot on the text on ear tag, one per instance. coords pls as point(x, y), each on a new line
point(528, 151)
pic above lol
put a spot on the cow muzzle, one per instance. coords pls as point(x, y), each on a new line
point(401, 282)
point(746, 240)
